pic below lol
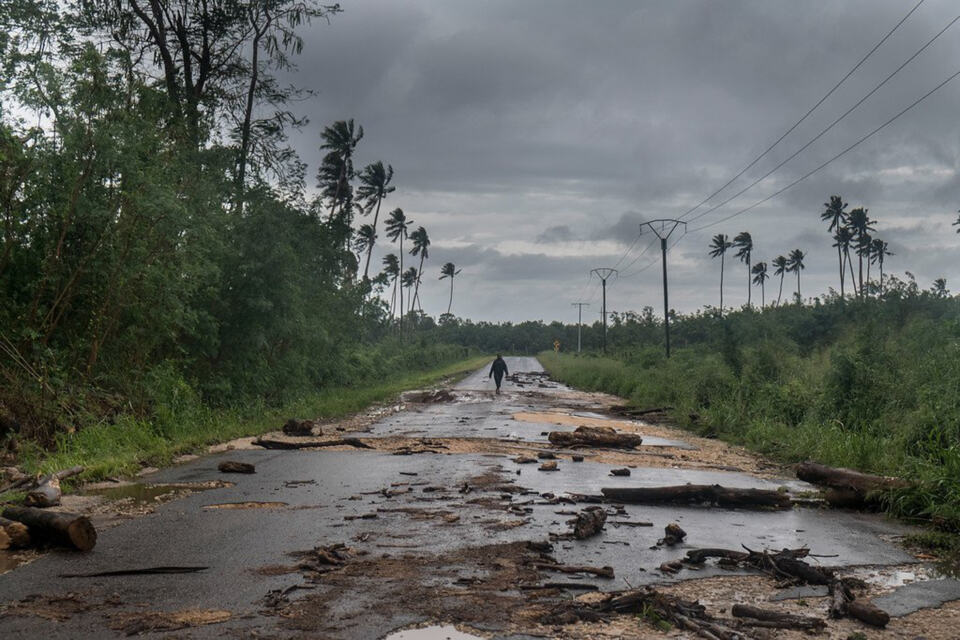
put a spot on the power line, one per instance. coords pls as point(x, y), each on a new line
point(829, 127)
point(842, 153)
point(639, 255)
point(807, 114)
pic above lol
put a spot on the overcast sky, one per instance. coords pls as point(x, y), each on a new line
point(532, 138)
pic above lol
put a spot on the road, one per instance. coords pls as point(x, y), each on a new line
point(434, 521)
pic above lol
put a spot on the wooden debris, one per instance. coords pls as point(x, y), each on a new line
point(620, 472)
point(589, 522)
point(549, 465)
point(295, 427)
point(844, 603)
point(776, 619)
point(65, 528)
point(274, 443)
point(585, 436)
point(232, 466)
point(46, 491)
point(701, 493)
point(576, 458)
point(135, 572)
point(848, 488)
point(673, 534)
point(600, 572)
point(524, 460)
point(16, 533)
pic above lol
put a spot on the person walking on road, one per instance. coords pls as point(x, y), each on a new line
point(497, 370)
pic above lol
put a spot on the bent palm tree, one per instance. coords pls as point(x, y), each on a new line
point(744, 244)
point(364, 239)
point(391, 269)
point(421, 244)
point(374, 187)
point(879, 252)
point(449, 270)
point(718, 247)
point(407, 280)
point(340, 139)
point(795, 265)
point(939, 288)
point(842, 238)
point(760, 276)
point(834, 214)
point(397, 225)
point(781, 265)
point(860, 226)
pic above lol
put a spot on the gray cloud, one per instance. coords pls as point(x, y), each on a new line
point(532, 138)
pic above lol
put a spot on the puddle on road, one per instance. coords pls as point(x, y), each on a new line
point(246, 505)
point(435, 632)
point(140, 493)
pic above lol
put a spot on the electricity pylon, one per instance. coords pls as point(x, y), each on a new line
point(604, 273)
point(663, 228)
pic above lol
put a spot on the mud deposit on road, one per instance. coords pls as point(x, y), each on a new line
point(456, 509)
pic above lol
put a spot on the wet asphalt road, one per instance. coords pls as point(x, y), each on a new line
point(235, 543)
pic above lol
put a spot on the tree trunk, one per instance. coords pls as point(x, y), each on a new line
point(66, 528)
point(776, 619)
point(248, 108)
point(749, 285)
point(400, 324)
point(450, 304)
point(848, 488)
point(416, 291)
point(16, 534)
point(694, 493)
point(595, 437)
point(721, 283)
point(842, 270)
point(780, 293)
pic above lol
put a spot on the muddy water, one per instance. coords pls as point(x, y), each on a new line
point(138, 493)
point(436, 632)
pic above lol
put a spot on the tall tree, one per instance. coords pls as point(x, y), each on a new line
point(878, 254)
point(842, 239)
point(421, 247)
point(795, 265)
point(718, 248)
point(408, 279)
point(374, 187)
point(449, 270)
point(939, 288)
point(391, 267)
point(834, 213)
point(744, 244)
point(364, 239)
point(760, 276)
point(860, 225)
point(397, 225)
point(339, 140)
point(781, 266)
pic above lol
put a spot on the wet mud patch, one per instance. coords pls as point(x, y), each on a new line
point(136, 623)
point(140, 498)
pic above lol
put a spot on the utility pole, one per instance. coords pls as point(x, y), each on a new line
point(579, 306)
point(663, 228)
point(604, 273)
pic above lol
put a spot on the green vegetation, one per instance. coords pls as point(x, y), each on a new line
point(872, 384)
point(181, 423)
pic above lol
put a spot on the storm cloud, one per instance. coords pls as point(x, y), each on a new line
point(532, 138)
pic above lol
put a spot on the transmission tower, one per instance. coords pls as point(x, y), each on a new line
point(604, 273)
point(663, 229)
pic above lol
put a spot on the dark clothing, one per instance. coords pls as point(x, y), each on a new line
point(497, 370)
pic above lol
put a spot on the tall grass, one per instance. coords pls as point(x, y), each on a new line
point(181, 423)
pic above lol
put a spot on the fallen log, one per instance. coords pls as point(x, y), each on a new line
point(65, 528)
point(46, 490)
point(589, 522)
point(848, 488)
point(700, 493)
point(274, 443)
point(585, 436)
point(600, 572)
point(17, 534)
point(777, 619)
point(673, 534)
point(232, 466)
point(295, 427)
point(868, 613)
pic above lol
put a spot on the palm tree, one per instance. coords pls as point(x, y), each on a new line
point(364, 239)
point(421, 244)
point(864, 249)
point(795, 264)
point(374, 187)
point(760, 276)
point(744, 244)
point(842, 238)
point(877, 255)
point(956, 223)
point(340, 139)
point(397, 225)
point(391, 268)
point(449, 270)
point(781, 265)
point(860, 225)
point(939, 288)
point(718, 247)
point(834, 214)
point(407, 280)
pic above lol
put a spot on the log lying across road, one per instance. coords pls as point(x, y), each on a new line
point(776, 619)
point(65, 528)
point(275, 443)
point(595, 437)
point(700, 493)
point(847, 488)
